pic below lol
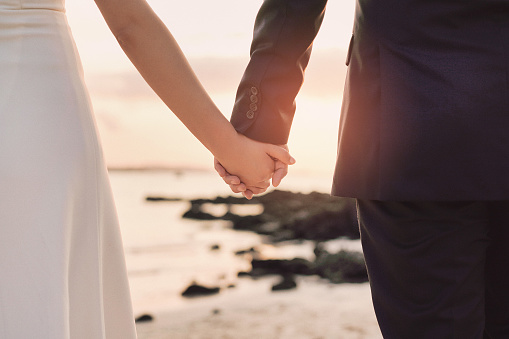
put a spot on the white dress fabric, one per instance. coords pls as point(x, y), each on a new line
point(62, 268)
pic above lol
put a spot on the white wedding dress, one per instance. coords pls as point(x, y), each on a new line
point(62, 269)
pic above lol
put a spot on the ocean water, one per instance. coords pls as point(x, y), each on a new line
point(165, 253)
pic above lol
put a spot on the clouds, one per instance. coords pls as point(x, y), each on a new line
point(221, 75)
point(137, 128)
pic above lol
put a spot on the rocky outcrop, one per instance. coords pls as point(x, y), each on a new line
point(291, 216)
point(195, 290)
point(166, 199)
point(341, 267)
point(287, 283)
point(287, 215)
point(144, 318)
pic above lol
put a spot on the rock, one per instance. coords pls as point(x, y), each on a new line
point(195, 290)
point(216, 311)
point(196, 213)
point(251, 250)
point(144, 318)
point(344, 266)
point(199, 216)
point(282, 267)
point(324, 225)
point(167, 199)
point(287, 283)
point(319, 249)
point(296, 216)
point(230, 216)
point(287, 215)
point(341, 267)
point(215, 247)
point(249, 222)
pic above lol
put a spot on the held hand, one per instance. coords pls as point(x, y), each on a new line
point(252, 161)
point(231, 180)
point(234, 182)
point(280, 170)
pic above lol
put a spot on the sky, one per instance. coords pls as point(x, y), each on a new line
point(138, 130)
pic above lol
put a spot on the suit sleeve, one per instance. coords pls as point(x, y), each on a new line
point(283, 35)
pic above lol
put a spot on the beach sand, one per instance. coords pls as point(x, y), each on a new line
point(315, 310)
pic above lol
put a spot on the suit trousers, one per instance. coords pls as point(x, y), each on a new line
point(438, 269)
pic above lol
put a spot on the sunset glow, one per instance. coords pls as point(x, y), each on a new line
point(138, 130)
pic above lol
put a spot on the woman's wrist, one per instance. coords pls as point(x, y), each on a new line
point(225, 142)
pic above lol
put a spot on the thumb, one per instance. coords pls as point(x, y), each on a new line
point(281, 170)
point(279, 153)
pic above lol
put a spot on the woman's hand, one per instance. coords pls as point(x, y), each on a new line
point(260, 163)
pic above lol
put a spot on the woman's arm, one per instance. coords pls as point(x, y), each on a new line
point(155, 53)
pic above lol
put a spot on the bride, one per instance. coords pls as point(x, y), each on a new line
point(61, 259)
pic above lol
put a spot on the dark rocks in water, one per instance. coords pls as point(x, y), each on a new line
point(344, 266)
point(319, 249)
point(251, 250)
point(292, 216)
point(199, 215)
point(287, 215)
point(249, 222)
point(195, 290)
point(324, 226)
point(287, 283)
point(229, 200)
point(144, 318)
point(341, 267)
point(243, 274)
point(166, 199)
point(296, 216)
point(215, 247)
point(195, 212)
point(283, 267)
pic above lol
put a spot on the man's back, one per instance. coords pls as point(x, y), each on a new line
point(425, 114)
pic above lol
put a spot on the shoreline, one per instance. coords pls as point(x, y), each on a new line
point(316, 309)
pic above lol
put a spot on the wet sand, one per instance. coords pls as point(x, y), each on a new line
point(316, 309)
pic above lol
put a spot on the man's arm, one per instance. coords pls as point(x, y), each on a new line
point(283, 35)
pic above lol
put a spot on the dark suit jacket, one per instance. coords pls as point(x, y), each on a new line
point(425, 112)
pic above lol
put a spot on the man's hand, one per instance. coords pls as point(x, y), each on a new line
point(280, 171)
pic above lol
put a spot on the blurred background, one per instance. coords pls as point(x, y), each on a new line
point(139, 131)
point(150, 153)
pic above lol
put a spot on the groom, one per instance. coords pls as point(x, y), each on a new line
point(423, 146)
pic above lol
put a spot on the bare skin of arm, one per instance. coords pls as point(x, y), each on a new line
point(154, 52)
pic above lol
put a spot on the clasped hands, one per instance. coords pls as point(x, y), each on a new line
point(251, 165)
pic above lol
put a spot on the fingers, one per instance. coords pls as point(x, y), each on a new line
point(251, 191)
point(280, 171)
point(256, 190)
point(248, 194)
point(227, 177)
point(238, 188)
point(262, 185)
point(281, 154)
point(219, 168)
point(232, 180)
point(260, 188)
